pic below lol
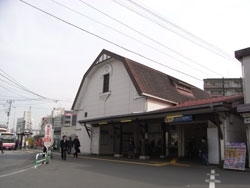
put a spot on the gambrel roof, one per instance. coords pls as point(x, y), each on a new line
point(152, 83)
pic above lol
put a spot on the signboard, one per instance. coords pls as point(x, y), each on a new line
point(246, 120)
point(235, 156)
point(48, 136)
point(178, 118)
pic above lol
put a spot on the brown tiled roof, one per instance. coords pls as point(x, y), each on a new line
point(223, 99)
point(153, 83)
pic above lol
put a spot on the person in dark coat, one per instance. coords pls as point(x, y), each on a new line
point(70, 145)
point(131, 148)
point(64, 147)
point(204, 151)
point(76, 145)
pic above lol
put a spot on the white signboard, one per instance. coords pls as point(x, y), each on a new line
point(48, 136)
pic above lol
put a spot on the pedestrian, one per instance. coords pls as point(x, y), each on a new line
point(76, 144)
point(1, 145)
point(131, 148)
point(16, 144)
point(37, 143)
point(204, 151)
point(70, 145)
point(64, 147)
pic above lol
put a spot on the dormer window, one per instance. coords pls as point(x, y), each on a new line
point(183, 87)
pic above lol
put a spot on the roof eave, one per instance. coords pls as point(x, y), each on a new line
point(159, 98)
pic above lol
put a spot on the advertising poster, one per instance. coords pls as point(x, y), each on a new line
point(235, 156)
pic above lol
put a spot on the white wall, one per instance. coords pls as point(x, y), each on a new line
point(83, 138)
point(156, 105)
point(123, 98)
point(68, 131)
point(95, 138)
point(246, 78)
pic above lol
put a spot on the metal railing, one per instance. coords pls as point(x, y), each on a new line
point(45, 159)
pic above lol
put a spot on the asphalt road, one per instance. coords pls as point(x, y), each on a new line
point(17, 170)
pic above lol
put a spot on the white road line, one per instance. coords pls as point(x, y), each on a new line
point(212, 179)
point(19, 171)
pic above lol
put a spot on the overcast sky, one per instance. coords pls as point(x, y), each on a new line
point(46, 49)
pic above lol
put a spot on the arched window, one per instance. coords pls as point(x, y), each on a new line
point(106, 78)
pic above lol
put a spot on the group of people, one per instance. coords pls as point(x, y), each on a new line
point(67, 145)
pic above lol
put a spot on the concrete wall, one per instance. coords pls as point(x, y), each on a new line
point(95, 140)
point(236, 131)
point(246, 78)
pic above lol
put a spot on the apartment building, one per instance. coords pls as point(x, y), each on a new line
point(59, 118)
point(218, 87)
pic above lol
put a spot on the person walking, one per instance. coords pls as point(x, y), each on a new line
point(70, 145)
point(64, 147)
point(1, 145)
point(76, 144)
point(131, 148)
point(204, 151)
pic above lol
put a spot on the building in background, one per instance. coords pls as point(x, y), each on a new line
point(218, 87)
point(24, 127)
point(59, 118)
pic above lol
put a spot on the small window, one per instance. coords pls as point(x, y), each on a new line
point(105, 83)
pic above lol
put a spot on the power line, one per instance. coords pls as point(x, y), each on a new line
point(13, 82)
point(202, 43)
point(150, 38)
point(8, 77)
point(124, 34)
point(106, 40)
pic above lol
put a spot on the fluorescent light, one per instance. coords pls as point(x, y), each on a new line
point(125, 120)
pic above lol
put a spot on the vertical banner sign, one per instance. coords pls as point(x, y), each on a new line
point(48, 136)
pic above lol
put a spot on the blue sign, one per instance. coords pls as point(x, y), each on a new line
point(179, 118)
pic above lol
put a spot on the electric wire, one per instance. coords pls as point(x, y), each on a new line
point(11, 81)
point(150, 38)
point(106, 40)
point(133, 38)
point(202, 43)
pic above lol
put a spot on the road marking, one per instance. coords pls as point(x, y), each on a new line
point(16, 172)
point(212, 179)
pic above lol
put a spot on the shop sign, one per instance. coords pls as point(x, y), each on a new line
point(178, 118)
point(246, 119)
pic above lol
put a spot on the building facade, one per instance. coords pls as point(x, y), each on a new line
point(24, 127)
point(119, 98)
point(59, 119)
point(243, 56)
point(218, 87)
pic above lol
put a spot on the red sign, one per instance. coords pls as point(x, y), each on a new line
point(48, 136)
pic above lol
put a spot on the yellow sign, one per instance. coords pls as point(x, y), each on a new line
point(169, 119)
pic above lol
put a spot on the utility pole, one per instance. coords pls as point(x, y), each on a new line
point(8, 112)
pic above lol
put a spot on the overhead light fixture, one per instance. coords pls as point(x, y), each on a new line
point(103, 123)
point(125, 120)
